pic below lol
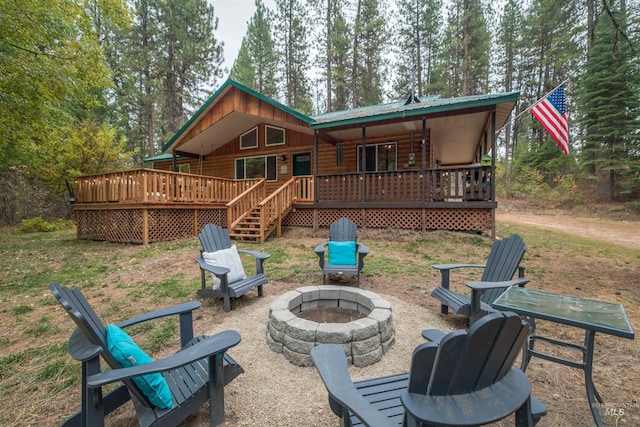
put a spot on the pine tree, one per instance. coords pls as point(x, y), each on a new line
point(291, 34)
point(417, 42)
point(610, 103)
point(242, 70)
point(190, 56)
point(257, 60)
point(464, 66)
point(508, 62)
point(369, 44)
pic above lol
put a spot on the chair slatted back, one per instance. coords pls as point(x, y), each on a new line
point(465, 362)
point(502, 264)
point(214, 238)
point(343, 230)
point(88, 322)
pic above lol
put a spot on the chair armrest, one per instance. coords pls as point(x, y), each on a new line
point(218, 271)
point(482, 286)
point(186, 307)
point(362, 249)
point(256, 254)
point(320, 248)
point(216, 344)
point(452, 266)
point(331, 363)
point(445, 270)
point(259, 256)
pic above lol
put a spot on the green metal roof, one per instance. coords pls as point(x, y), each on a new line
point(398, 109)
point(212, 98)
point(163, 158)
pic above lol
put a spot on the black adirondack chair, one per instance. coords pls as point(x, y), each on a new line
point(195, 374)
point(214, 238)
point(342, 230)
point(466, 379)
point(504, 259)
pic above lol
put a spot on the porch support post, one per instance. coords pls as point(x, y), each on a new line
point(315, 179)
point(424, 160)
point(363, 169)
point(492, 180)
point(174, 163)
point(315, 166)
point(363, 165)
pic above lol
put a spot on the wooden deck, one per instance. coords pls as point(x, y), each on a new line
point(146, 205)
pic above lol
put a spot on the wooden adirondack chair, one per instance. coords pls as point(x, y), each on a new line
point(343, 238)
point(504, 259)
point(214, 239)
point(195, 374)
point(466, 379)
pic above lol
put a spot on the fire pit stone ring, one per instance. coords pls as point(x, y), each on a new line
point(364, 340)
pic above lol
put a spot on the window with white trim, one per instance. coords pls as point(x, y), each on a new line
point(273, 135)
point(249, 139)
point(257, 167)
point(380, 157)
point(184, 168)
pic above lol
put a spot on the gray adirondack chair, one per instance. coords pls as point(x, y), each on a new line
point(466, 379)
point(195, 374)
point(214, 238)
point(342, 230)
point(504, 259)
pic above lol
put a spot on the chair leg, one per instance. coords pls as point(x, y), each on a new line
point(524, 417)
point(260, 290)
point(227, 303)
point(216, 390)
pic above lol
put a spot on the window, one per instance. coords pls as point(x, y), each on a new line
point(257, 167)
point(249, 139)
point(380, 157)
point(274, 135)
point(184, 168)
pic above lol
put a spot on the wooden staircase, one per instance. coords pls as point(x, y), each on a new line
point(252, 219)
point(248, 227)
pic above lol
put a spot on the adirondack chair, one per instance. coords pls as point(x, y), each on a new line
point(220, 258)
point(466, 379)
point(346, 254)
point(194, 375)
point(503, 261)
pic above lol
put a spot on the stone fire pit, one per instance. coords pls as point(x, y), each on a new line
point(364, 340)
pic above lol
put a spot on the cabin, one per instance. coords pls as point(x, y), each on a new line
point(253, 165)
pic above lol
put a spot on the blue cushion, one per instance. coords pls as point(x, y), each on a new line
point(342, 253)
point(128, 354)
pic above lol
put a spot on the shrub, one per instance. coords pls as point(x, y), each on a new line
point(37, 225)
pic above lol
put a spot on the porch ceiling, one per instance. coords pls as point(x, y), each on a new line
point(455, 138)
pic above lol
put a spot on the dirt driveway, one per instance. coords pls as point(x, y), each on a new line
point(625, 233)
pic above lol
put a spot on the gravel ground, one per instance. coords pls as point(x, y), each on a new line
point(274, 392)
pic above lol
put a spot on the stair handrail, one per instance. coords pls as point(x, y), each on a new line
point(274, 207)
point(244, 202)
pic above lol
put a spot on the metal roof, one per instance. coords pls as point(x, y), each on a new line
point(399, 109)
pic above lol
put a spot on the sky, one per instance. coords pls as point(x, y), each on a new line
point(233, 17)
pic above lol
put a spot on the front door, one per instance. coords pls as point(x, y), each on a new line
point(301, 164)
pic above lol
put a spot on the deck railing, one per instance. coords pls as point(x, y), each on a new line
point(241, 205)
point(149, 185)
point(441, 184)
point(277, 205)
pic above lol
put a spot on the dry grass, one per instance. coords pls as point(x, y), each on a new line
point(39, 382)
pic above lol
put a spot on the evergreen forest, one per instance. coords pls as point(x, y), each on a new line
point(92, 86)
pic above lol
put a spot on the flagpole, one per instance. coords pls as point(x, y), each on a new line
point(534, 104)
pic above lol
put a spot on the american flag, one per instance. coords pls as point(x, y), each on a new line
point(551, 112)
